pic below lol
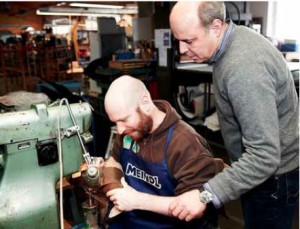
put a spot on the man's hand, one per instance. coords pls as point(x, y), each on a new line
point(126, 198)
point(187, 206)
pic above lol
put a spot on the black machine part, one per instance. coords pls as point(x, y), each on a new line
point(47, 153)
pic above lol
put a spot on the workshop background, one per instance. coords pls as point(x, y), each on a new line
point(54, 50)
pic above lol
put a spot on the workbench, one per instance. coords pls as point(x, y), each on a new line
point(126, 66)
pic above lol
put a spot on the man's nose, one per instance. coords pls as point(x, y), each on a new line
point(183, 48)
point(120, 128)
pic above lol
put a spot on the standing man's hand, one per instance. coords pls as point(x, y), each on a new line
point(187, 206)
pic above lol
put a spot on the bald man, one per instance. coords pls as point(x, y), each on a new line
point(258, 112)
point(161, 157)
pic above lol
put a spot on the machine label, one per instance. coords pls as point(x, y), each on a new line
point(133, 171)
point(24, 145)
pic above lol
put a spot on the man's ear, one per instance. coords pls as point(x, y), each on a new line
point(145, 103)
point(216, 27)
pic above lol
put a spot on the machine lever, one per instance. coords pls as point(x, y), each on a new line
point(76, 130)
point(87, 157)
point(70, 131)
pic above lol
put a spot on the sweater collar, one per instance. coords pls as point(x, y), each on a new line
point(221, 49)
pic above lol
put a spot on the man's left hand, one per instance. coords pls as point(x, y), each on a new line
point(124, 199)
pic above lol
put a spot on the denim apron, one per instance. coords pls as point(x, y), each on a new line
point(147, 177)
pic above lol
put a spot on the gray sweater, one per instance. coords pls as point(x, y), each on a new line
point(258, 112)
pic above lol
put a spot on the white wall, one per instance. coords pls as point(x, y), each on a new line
point(287, 23)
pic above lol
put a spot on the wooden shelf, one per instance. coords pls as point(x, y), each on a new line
point(58, 60)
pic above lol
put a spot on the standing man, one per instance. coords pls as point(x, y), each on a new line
point(161, 157)
point(258, 113)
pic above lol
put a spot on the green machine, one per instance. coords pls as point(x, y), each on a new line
point(30, 165)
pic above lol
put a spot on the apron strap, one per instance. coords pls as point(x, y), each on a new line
point(170, 133)
point(131, 145)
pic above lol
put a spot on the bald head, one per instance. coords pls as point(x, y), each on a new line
point(124, 93)
point(183, 14)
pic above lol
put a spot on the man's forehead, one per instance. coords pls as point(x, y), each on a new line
point(184, 33)
point(186, 27)
point(120, 113)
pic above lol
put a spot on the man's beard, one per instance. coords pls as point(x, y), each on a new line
point(143, 129)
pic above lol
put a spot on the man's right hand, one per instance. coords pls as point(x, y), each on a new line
point(187, 206)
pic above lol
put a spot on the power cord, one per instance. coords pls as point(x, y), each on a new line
point(86, 155)
point(59, 137)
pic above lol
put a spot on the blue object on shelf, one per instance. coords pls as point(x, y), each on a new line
point(124, 55)
point(289, 48)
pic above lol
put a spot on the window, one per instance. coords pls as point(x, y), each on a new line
point(283, 20)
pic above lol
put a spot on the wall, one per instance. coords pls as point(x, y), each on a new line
point(250, 10)
point(16, 23)
point(14, 16)
point(260, 9)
